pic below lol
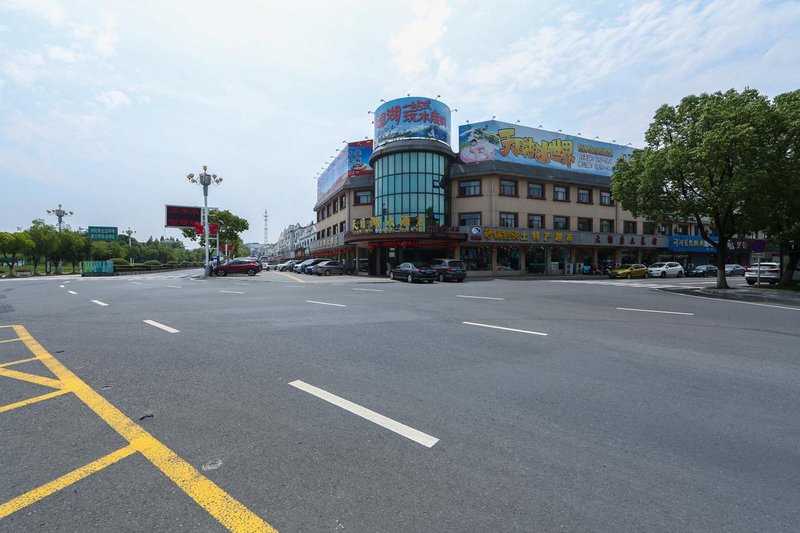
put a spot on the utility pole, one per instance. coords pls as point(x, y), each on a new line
point(266, 231)
point(60, 213)
point(205, 179)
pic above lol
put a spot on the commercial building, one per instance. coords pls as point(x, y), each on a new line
point(513, 200)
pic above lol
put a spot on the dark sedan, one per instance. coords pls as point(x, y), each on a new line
point(412, 272)
point(703, 271)
point(238, 266)
point(326, 268)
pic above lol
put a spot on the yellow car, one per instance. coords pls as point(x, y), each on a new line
point(629, 271)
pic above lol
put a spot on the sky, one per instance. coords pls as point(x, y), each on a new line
point(106, 106)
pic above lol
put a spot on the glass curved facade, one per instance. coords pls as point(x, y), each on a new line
point(408, 185)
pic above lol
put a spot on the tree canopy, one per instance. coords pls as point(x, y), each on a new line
point(705, 159)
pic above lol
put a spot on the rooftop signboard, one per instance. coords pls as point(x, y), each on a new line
point(499, 141)
point(352, 161)
point(414, 117)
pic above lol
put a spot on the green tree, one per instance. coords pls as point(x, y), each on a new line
point(14, 246)
point(45, 241)
point(703, 158)
point(776, 207)
point(72, 247)
point(230, 226)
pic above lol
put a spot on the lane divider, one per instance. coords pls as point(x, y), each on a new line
point(505, 329)
point(159, 325)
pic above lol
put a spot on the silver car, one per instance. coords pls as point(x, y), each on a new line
point(669, 269)
point(326, 268)
point(770, 273)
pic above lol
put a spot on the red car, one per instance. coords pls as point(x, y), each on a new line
point(238, 266)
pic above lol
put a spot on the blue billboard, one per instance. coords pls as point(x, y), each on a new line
point(352, 161)
point(689, 243)
point(414, 117)
point(499, 141)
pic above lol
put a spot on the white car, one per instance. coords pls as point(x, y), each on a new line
point(770, 273)
point(665, 270)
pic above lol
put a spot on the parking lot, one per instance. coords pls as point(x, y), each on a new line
point(300, 403)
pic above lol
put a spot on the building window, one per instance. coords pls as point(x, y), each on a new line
point(629, 226)
point(605, 198)
point(560, 194)
point(469, 188)
point(508, 220)
point(342, 202)
point(560, 222)
point(508, 188)
point(363, 197)
point(536, 190)
point(469, 219)
point(342, 226)
point(584, 196)
point(536, 221)
point(606, 226)
point(335, 206)
point(584, 224)
point(649, 228)
point(328, 210)
point(682, 229)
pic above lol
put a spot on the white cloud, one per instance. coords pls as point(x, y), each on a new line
point(24, 68)
point(60, 53)
point(49, 10)
point(415, 45)
point(114, 98)
point(105, 43)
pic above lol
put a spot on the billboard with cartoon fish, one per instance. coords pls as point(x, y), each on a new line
point(414, 117)
point(499, 141)
point(352, 161)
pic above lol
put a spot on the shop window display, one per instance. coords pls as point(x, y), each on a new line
point(477, 257)
point(508, 258)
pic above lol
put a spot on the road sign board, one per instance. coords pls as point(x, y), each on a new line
point(758, 256)
point(759, 246)
point(103, 233)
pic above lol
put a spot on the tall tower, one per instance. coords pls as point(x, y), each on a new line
point(266, 232)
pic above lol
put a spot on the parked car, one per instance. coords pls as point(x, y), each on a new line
point(412, 272)
point(242, 265)
point(449, 269)
point(770, 273)
point(703, 271)
point(300, 266)
point(326, 268)
point(666, 270)
point(734, 270)
point(306, 269)
point(286, 266)
point(628, 272)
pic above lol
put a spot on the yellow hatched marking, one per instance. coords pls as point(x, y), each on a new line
point(35, 399)
point(218, 503)
point(9, 340)
point(33, 496)
point(291, 277)
point(32, 378)
point(12, 363)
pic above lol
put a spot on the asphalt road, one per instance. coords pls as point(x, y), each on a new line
point(600, 406)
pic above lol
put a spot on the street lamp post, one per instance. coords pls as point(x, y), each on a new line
point(60, 213)
point(205, 179)
point(129, 232)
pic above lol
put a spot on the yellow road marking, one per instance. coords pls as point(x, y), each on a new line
point(31, 378)
point(9, 340)
point(19, 362)
point(291, 277)
point(35, 399)
point(218, 503)
point(33, 496)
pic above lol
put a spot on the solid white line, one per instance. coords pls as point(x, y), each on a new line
point(739, 302)
point(98, 302)
point(653, 311)
point(245, 284)
point(174, 287)
point(371, 290)
point(72, 292)
point(324, 303)
point(505, 329)
point(161, 326)
point(392, 425)
point(232, 292)
point(479, 297)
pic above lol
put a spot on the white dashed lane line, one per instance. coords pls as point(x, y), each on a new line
point(325, 303)
point(161, 326)
point(392, 425)
point(653, 311)
point(98, 302)
point(72, 292)
point(370, 290)
point(505, 329)
point(232, 292)
point(479, 297)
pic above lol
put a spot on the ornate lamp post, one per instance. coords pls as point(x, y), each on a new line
point(205, 179)
point(60, 213)
point(129, 232)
